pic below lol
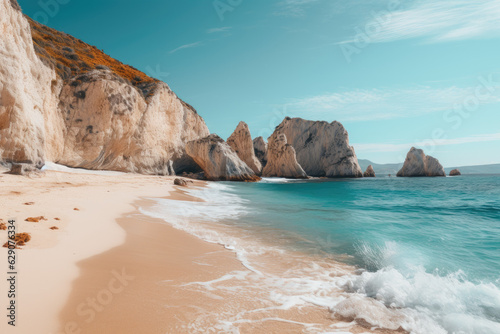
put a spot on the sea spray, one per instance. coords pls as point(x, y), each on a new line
point(426, 266)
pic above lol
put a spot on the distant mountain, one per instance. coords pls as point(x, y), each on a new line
point(483, 169)
point(380, 169)
point(385, 169)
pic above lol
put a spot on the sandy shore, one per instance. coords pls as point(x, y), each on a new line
point(110, 269)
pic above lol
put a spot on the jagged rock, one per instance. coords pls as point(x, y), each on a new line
point(370, 172)
point(218, 161)
point(181, 182)
point(260, 150)
point(117, 119)
point(23, 169)
point(455, 172)
point(282, 161)
point(241, 142)
point(418, 164)
point(322, 148)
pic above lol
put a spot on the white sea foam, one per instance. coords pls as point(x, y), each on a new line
point(449, 304)
point(61, 168)
point(399, 295)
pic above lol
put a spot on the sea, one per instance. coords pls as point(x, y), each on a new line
point(415, 254)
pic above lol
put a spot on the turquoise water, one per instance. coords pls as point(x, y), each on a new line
point(430, 245)
point(427, 250)
point(445, 225)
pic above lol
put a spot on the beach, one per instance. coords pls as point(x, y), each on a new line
point(110, 269)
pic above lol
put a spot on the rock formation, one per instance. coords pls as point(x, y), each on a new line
point(241, 143)
point(282, 160)
point(455, 172)
point(418, 164)
point(260, 150)
point(370, 172)
point(322, 148)
point(66, 101)
point(181, 182)
point(23, 169)
point(218, 161)
point(26, 86)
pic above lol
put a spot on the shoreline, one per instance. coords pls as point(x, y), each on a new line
point(133, 273)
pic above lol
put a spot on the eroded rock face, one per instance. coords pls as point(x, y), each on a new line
point(109, 125)
point(322, 148)
point(455, 172)
point(260, 150)
point(27, 90)
point(241, 143)
point(218, 161)
point(95, 120)
point(417, 164)
point(370, 172)
point(282, 160)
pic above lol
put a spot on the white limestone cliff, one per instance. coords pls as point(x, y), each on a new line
point(241, 142)
point(95, 120)
point(28, 94)
point(282, 160)
point(322, 148)
point(218, 161)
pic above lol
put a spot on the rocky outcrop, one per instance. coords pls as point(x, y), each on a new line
point(109, 125)
point(455, 172)
point(23, 169)
point(26, 93)
point(218, 161)
point(417, 164)
point(241, 143)
point(370, 172)
point(260, 150)
point(95, 113)
point(182, 182)
point(282, 160)
point(322, 148)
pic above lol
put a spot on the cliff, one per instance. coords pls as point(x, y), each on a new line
point(322, 148)
point(282, 159)
point(241, 142)
point(218, 161)
point(66, 101)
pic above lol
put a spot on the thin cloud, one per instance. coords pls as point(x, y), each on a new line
point(437, 21)
point(380, 104)
point(293, 8)
point(218, 30)
point(373, 147)
point(186, 46)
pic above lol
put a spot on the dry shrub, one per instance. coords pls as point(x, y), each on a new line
point(35, 219)
point(70, 57)
point(20, 239)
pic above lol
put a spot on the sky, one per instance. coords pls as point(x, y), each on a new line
point(395, 73)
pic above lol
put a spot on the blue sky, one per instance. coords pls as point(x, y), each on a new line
point(395, 73)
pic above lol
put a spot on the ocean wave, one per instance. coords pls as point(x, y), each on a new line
point(396, 293)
